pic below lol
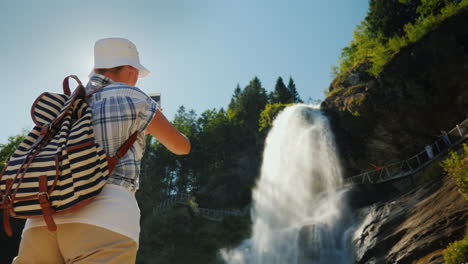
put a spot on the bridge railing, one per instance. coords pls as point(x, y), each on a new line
point(459, 132)
point(219, 214)
point(179, 198)
point(211, 214)
point(415, 163)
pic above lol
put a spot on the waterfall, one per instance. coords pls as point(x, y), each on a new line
point(299, 210)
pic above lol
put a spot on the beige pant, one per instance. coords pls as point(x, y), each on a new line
point(75, 243)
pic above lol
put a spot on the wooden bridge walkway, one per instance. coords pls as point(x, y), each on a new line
point(189, 200)
point(417, 162)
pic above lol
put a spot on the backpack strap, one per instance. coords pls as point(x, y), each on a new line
point(112, 161)
point(66, 85)
point(7, 207)
point(46, 205)
point(78, 93)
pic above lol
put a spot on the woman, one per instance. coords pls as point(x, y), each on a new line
point(107, 230)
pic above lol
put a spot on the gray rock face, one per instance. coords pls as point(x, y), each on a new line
point(422, 91)
point(417, 225)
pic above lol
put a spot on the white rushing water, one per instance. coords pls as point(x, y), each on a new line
point(299, 211)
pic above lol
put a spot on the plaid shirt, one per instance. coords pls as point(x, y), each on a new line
point(118, 111)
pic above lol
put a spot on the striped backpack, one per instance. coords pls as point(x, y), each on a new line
point(58, 167)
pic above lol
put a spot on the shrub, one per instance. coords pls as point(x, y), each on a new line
point(456, 166)
point(335, 91)
point(354, 88)
point(431, 172)
point(457, 252)
point(269, 114)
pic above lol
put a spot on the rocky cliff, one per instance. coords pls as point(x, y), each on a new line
point(377, 120)
point(412, 228)
point(421, 91)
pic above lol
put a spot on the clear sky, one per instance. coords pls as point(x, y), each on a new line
point(197, 50)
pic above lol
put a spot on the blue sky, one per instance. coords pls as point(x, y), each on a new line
point(197, 50)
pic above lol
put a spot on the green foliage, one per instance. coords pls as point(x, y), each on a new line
point(295, 98)
point(457, 252)
point(234, 106)
point(388, 17)
point(353, 104)
point(7, 149)
point(335, 71)
point(389, 26)
point(245, 108)
point(431, 7)
point(335, 91)
point(453, 8)
point(431, 172)
point(269, 114)
point(396, 43)
point(414, 32)
point(456, 166)
point(352, 89)
point(281, 93)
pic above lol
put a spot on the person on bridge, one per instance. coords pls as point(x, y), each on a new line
point(446, 138)
point(376, 167)
point(107, 230)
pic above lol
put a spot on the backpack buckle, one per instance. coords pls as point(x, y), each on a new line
point(43, 193)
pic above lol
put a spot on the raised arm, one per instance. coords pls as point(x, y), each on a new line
point(168, 135)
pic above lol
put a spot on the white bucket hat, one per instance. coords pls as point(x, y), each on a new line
point(114, 52)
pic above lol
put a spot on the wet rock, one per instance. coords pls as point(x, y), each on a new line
point(417, 225)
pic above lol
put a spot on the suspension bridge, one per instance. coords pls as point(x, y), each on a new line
point(207, 213)
point(417, 162)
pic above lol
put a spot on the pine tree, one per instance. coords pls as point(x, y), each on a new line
point(281, 94)
point(252, 102)
point(295, 98)
point(235, 97)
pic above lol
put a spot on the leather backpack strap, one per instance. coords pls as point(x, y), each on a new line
point(9, 197)
point(46, 205)
point(66, 85)
point(6, 220)
point(127, 145)
point(79, 92)
point(112, 161)
point(7, 206)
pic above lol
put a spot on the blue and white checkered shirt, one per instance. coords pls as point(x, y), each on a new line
point(118, 111)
